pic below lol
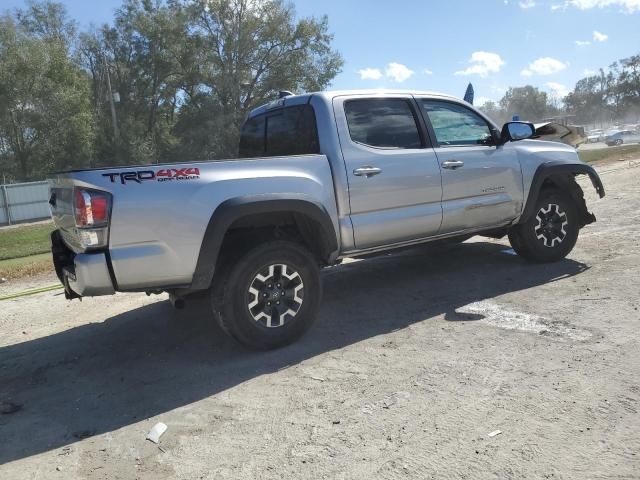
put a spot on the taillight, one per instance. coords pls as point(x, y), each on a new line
point(91, 208)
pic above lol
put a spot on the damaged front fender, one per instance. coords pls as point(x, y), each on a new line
point(562, 175)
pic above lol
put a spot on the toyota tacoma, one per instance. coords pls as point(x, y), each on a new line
point(320, 177)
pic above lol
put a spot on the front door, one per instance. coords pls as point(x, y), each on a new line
point(481, 181)
point(394, 177)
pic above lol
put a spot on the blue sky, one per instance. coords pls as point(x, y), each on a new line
point(442, 45)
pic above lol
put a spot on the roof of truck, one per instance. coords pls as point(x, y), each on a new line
point(329, 95)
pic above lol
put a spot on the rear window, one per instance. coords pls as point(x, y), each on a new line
point(287, 131)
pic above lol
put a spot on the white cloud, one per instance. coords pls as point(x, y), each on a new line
point(525, 4)
point(482, 63)
point(557, 90)
point(599, 37)
point(370, 74)
point(628, 6)
point(588, 72)
point(543, 66)
point(426, 71)
point(559, 7)
point(398, 72)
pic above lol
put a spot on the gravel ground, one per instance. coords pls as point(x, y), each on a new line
point(416, 358)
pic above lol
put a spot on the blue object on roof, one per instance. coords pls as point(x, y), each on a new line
point(468, 95)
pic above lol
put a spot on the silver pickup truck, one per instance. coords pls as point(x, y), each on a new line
point(321, 177)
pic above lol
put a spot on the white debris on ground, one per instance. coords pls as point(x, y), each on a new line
point(156, 432)
point(499, 316)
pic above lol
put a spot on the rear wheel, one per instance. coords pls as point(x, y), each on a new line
point(271, 295)
point(551, 233)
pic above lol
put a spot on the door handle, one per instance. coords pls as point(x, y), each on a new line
point(452, 164)
point(367, 171)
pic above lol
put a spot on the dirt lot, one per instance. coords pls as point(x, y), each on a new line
point(417, 357)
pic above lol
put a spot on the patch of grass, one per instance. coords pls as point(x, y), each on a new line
point(624, 152)
point(18, 242)
point(26, 266)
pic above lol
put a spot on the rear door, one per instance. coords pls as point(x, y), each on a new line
point(393, 174)
point(481, 181)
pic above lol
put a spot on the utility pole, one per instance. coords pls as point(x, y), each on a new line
point(114, 118)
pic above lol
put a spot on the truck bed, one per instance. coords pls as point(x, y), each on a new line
point(159, 213)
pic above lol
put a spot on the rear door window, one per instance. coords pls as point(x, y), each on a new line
point(287, 131)
point(382, 123)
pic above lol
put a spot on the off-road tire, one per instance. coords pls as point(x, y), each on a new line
point(240, 286)
point(551, 232)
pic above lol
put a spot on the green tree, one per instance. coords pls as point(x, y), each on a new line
point(609, 96)
point(248, 51)
point(45, 114)
point(135, 64)
point(590, 99)
point(627, 87)
point(528, 102)
point(187, 72)
point(494, 111)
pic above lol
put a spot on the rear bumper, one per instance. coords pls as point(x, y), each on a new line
point(82, 274)
point(89, 276)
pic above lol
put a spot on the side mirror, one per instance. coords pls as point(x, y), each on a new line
point(513, 131)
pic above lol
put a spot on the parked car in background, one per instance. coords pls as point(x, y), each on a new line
point(623, 136)
point(596, 136)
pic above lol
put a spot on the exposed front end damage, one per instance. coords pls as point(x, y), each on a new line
point(563, 175)
point(569, 184)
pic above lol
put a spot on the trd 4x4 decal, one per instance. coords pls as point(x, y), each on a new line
point(162, 175)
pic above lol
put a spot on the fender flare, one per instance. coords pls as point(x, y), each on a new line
point(558, 169)
point(235, 208)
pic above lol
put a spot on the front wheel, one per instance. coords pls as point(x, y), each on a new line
point(551, 233)
point(271, 295)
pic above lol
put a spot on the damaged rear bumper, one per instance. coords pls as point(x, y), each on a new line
point(82, 274)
